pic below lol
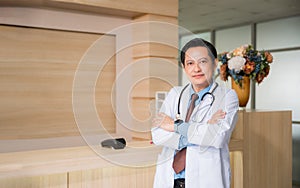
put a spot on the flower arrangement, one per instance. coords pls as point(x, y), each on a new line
point(245, 61)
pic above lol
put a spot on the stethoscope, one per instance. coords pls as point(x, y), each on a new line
point(178, 119)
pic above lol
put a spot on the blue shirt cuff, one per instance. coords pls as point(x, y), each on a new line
point(183, 142)
point(183, 128)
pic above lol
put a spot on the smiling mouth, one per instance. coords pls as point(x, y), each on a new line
point(198, 75)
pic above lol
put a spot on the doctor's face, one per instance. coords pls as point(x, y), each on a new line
point(199, 67)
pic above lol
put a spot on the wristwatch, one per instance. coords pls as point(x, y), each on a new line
point(177, 123)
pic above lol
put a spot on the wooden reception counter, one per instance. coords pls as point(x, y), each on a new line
point(261, 156)
point(261, 146)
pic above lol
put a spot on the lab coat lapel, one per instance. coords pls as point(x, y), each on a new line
point(200, 110)
point(185, 98)
point(219, 102)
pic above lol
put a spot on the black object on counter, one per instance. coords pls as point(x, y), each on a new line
point(117, 143)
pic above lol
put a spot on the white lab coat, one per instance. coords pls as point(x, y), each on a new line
point(207, 160)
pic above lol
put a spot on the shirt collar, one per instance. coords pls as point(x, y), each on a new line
point(200, 93)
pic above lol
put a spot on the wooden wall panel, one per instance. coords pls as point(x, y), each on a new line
point(104, 96)
point(118, 176)
point(142, 102)
point(156, 38)
point(47, 181)
point(37, 68)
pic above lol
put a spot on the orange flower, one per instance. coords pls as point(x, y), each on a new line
point(223, 72)
point(267, 70)
point(249, 67)
point(260, 77)
point(269, 57)
point(263, 74)
point(239, 51)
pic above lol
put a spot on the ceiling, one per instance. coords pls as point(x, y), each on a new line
point(204, 15)
point(194, 15)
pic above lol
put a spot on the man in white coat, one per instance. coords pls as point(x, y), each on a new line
point(200, 142)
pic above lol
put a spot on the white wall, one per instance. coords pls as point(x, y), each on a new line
point(281, 89)
point(283, 33)
point(229, 39)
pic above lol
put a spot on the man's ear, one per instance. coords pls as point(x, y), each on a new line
point(182, 65)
